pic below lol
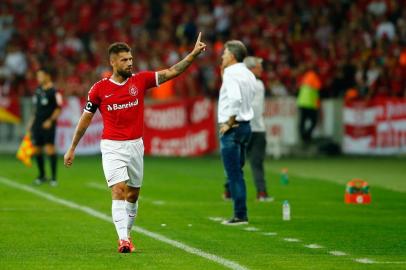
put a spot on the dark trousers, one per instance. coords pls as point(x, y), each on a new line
point(233, 146)
point(307, 123)
point(256, 155)
point(41, 137)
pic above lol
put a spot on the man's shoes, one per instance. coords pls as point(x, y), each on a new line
point(53, 183)
point(227, 195)
point(263, 197)
point(235, 221)
point(39, 181)
point(266, 199)
point(132, 247)
point(124, 246)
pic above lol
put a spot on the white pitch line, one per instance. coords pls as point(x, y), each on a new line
point(365, 261)
point(371, 261)
point(270, 233)
point(314, 246)
point(291, 240)
point(251, 229)
point(337, 253)
point(211, 257)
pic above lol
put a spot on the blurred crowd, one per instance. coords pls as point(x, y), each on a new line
point(357, 48)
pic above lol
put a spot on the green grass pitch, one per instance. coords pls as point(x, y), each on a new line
point(183, 193)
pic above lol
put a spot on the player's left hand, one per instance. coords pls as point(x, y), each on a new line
point(225, 127)
point(199, 46)
point(69, 157)
point(47, 124)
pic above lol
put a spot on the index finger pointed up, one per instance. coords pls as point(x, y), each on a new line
point(199, 37)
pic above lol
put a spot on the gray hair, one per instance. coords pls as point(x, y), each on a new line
point(237, 48)
point(252, 61)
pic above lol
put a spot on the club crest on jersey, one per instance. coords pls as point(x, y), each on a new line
point(133, 90)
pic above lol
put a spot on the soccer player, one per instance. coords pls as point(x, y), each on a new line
point(120, 100)
point(47, 101)
point(234, 115)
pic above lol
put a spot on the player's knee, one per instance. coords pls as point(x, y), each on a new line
point(132, 194)
point(118, 191)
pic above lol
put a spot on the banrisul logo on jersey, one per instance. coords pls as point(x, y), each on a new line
point(133, 90)
point(115, 107)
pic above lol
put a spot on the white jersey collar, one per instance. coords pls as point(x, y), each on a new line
point(117, 83)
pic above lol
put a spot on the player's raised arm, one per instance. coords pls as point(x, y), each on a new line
point(80, 130)
point(178, 68)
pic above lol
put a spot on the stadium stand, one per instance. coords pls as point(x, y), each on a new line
point(352, 44)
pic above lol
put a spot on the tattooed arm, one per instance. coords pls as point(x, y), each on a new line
point(81, 128)
point(178, 68)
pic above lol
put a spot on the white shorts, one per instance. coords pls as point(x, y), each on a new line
point(123, 161)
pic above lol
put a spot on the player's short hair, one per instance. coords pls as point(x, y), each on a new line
point(49, 70)
point(252, 61)
point(237, 48)
point(118, 47)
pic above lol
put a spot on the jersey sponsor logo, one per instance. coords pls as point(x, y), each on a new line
point(107, 96)
point(115, 107)
point(133, 90)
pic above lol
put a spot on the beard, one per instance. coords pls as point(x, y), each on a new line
point(124, 73)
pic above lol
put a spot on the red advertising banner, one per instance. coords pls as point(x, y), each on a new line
point(375, 127)
point(182, 128)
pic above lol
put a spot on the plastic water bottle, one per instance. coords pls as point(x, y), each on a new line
point(284, 176)
point(285, 210)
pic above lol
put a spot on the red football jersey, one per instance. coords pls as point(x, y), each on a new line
point(121, 105)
